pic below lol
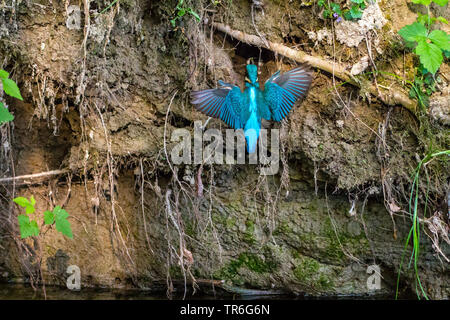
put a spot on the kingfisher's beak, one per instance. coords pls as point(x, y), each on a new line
point(248, 80)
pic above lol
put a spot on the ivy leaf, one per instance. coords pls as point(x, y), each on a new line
point(23, 202)
point(355, 12)
point(61, 222)
point(5, 115)
point(336, 8)
point(442, 3)
point(430, 55)
point(413, 32)
point(49, 217)
point(347, 15)
point(11, 88)
point(27, 228)
point(4, 74)
point(439, 38)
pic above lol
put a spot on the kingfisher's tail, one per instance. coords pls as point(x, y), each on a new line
point(252, 128)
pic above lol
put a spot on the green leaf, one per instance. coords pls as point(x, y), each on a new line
point(439, 38)
point(5, 115)
point(181, 12)
point(347, 15)
point(32, 200)
point(61, 222)
point(442, 3)
point(49, 217)
point(194, 14)
point(11, 88)
point(425, 19)
point(336, 8)
point(326, 13)
point(23, 202)
point(355, 12)
point(27, 228)
point(4, 74)
point(424, 2)
point(442, 19)
point(358, 1)
point(30, 209)
point(430, 55)
point(321, 3)
point(413, 32)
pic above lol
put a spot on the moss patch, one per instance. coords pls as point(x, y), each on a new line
point(249, 261)
point(249, 236)
point(308, 272)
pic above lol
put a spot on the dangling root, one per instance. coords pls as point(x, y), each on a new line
point(391, 97)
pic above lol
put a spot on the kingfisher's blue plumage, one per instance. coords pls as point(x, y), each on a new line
point(244, 110)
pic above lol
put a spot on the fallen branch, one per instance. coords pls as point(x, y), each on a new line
point(391, 97)
point(34, 176)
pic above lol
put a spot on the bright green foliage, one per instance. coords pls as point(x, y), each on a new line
point(11, 89)
point(329, 10)
point(3, 74)
point(9, 86)
point(429, 46)
point(428, 2)
point(27, 204)
point(425, 19)
point(355, 12)
point(61, 222)
point(5, 116)
point(440, 39)
point(181, 12)
point(424, 2)
point(49, 217)
point(441, 3)
point(30, 228)
point(27, 228)
point(430, 55)
point(413, 32)
point(333, 9)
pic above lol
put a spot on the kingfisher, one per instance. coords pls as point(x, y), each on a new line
point(244, 110)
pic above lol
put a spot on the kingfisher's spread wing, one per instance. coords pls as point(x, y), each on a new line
point(281, 91)
point(226, 103)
